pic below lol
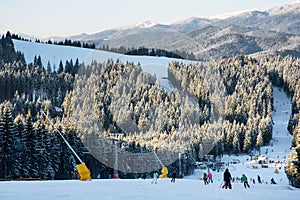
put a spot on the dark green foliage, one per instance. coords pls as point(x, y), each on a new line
point(10, 160)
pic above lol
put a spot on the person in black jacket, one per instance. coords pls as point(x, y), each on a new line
point(227, 179)
point(173, 176)
point(258, 179)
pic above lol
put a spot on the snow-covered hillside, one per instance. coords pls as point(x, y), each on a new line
point(187, 188)
point(54, 53)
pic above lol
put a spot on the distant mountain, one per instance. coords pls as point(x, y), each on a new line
point(276, 30)
point(218, 42)
point(191, 24)
point(284, 18)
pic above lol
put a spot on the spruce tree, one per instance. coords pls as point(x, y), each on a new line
point(60, 67)
point(10, 161)
point(41, 151)
point(259, 141)
point(21, 145)
point(247, 142)
point(31, 141)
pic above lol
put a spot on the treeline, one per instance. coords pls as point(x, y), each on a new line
point(66, 42)
point(33, 81)
point(122, 50)
point(150, 52)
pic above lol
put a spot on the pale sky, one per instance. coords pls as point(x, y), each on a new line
point(45, 18)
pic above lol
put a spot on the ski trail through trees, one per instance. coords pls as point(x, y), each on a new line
point(281, 142)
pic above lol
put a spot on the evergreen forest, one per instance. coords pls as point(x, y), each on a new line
point(227, 102)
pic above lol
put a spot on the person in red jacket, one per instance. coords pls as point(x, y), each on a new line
point(210, 177)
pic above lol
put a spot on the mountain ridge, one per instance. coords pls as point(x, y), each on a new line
point(249, 32)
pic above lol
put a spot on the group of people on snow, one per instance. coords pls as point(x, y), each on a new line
point(207, 178)
point(227, 180)
point(155, 177)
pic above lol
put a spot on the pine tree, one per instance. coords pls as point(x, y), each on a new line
point(236, 142)
point(259, 141)
point(49, 70)
point(21, 143)
point(41, 151)
point(60, 67)
point(31, 141)
point(10, 160)
point(247, 141)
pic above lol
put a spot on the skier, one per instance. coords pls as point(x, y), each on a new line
point(227, 178)
point(258, 179)
point(245, 181)
point(273, 181)
point(204, 178)
point(210, 177)
point(155, 175)
point(173, 176)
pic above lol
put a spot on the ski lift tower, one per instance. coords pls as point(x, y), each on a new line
point(116, 139)
point(209, 159)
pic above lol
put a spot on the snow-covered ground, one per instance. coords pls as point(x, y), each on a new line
point(190, 187)
point(111, 189)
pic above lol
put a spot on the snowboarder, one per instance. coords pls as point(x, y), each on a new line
point(258, 179)
point(273, 181)
point(144, 176)
point(245, 181)
point(210, 177)
point(173, 176)
point(227, 179)
point(155, 176)
point(204, 178)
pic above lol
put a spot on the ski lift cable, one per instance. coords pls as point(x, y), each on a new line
point(61, 135)
point(153, 151)
point(156, 156)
